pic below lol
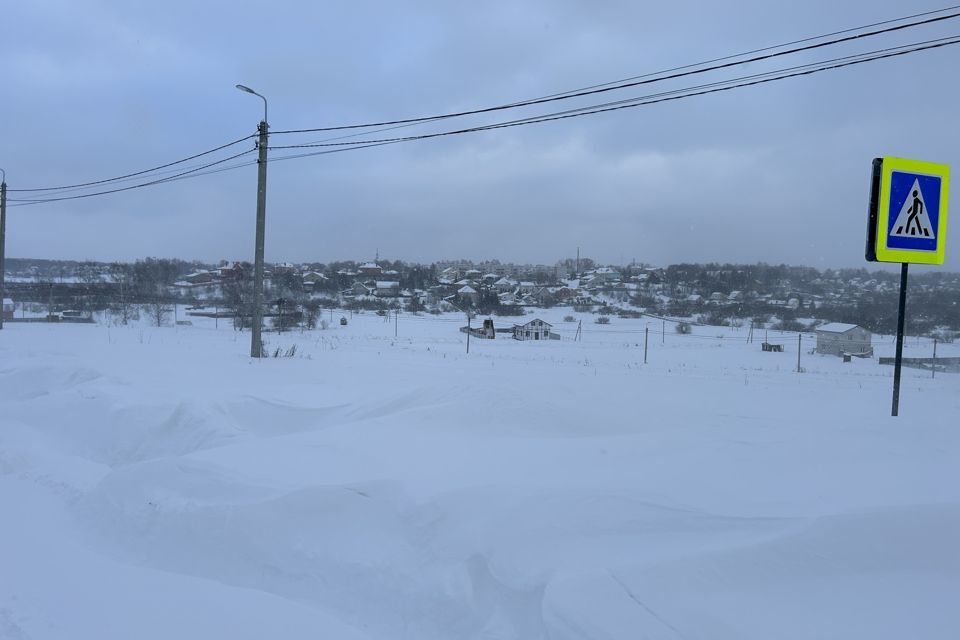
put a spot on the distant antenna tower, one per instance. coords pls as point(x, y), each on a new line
point(578, 262)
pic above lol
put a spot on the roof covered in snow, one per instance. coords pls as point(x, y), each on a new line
point(837, 327)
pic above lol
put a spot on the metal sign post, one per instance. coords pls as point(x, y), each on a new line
point(906, 223)
point(895, 410)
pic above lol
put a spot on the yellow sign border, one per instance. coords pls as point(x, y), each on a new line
point(942, 171)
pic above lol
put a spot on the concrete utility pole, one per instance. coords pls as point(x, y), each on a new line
point(256, 345)
point(3, 239)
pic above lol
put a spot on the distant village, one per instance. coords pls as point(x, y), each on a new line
point(772, 296)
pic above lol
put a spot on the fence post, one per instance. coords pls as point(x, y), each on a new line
point(799, 346)
point(933, 368)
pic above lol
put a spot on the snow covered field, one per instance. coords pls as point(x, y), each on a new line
point(157, 483)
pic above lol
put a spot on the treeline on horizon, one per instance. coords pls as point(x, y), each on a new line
point(932, 300)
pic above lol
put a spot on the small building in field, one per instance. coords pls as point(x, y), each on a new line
point(837, 338)
point(536, 329)
point(486, 331)
point(8, 308)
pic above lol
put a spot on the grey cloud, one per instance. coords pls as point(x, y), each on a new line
point(775, 173)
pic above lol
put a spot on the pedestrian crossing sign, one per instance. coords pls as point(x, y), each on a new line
point(908, 211)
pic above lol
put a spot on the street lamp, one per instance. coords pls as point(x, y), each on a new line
point(256, 346)
point(249, 90)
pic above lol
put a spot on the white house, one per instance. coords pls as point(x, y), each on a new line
point(536, 329)
point(838, 338)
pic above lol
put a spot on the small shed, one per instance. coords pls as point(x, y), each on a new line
point(486, 332)
point(8, 308)
point(837, 338)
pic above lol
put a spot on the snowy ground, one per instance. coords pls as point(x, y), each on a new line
point(157, 483)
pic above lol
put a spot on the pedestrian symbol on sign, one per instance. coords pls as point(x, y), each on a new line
point(913, 220)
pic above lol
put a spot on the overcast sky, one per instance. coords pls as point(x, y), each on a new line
point(774, 173)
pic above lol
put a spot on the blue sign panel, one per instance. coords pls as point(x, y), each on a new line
point(913, 215)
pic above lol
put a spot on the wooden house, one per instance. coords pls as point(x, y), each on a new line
point(536, 329)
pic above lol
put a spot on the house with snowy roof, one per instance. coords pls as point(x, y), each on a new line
point(370, 269)
point(536, 329)
point(360, 289)
point(313, 278)
point(387, 289)
point(468, 293)
point(504, 285)
point(837, 339)
point(605, 274)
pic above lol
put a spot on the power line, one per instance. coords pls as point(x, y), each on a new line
point(760, 50)
point(138, 186)
point(676, 72)
point(138, 173)
point(157, 174)
point(416, 121)
point(679, 94)
point(530, 119)
point(724, 85)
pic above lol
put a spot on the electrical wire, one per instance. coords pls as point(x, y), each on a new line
point(137, 186)
point(637, 102)
point(676, 72)
point(613, 103)
point(138, 173)
point(157, 174)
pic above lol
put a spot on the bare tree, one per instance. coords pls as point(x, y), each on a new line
point(121, 274)
point(158, 313)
